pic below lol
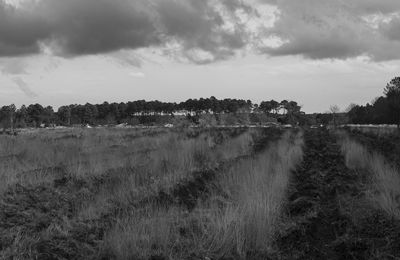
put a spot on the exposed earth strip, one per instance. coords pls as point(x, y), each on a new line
point(329, 217)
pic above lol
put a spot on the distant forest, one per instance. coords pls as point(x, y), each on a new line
point(206, 111)
point(383, 110)
point(152, 112)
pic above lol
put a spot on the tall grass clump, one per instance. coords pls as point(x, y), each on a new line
point(383, 191)
point(255, 192)
point(240, 218)
point(152, 231)
point(237, 146)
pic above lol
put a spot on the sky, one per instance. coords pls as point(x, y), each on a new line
point(316, 52)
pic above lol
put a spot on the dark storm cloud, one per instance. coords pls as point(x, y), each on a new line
point(374, 6)
point(79, 27)
point(20, 31)
point(96, 26)
point(316, 29)
point(392, 29)
point(197, 25)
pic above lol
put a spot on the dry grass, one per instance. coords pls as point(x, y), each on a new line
point(256, 192)
point(40, 157)
point(384, 190)
point(148, 232)
point(109, 172)
point(240, 218)
point(173, 162)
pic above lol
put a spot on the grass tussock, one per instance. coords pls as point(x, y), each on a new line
point(255, 192)
point(384, 190)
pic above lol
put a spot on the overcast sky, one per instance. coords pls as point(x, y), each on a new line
point(316, 52)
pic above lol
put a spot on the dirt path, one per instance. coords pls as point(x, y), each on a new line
point(328, 219)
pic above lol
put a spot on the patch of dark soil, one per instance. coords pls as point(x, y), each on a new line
point(267, 135)
point(325, 226)
point(189, 193)
point(69, 136)
point(36, 223)
point(185, 194)
point(219, 135)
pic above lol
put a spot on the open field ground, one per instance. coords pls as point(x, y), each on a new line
point(259, 193)
point(330, 214)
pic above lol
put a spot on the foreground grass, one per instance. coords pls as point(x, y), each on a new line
point(384, 190)
point(41, 157)
point(239, 218)
point(172, 163)
point(63, 190)
point(255, 192)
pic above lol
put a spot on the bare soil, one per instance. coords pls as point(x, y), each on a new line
point(328, 215)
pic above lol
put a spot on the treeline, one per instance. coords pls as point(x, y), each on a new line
point(140, 112)
point(384, 110)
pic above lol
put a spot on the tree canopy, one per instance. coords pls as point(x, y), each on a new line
point(139, 111)
point(383, 110)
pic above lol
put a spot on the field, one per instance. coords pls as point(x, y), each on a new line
point(215, 193)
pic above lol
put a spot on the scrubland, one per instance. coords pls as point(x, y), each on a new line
point(239, 217)
point(223, 193)
point(138, 194)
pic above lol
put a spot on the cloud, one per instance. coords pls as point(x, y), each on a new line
point(202, 31)
point(137, 74)
point(81, 27)
point(13, 66)
point(125, 58)
point(374, 6)
point(20, 31)
point(334, 29)
point(392, 29)
point(24, 87)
